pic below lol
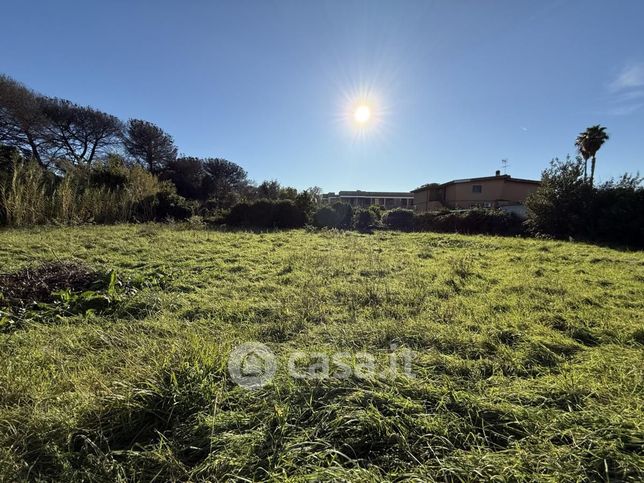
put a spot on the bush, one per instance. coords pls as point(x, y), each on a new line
point(306, 202)
point(260, 214)
point(562, 203)
point(168, 204)
point(566, 205)
point(238, 214)
point(618, 212)
point(325, 217)
point(344, 214)
point(288, 215)
point(338, 215)
point(363, 219)
point(377, 211)
point(399, 219)
point(267, 214)
point(491, 222)
point(109, 192)
point(112, 174)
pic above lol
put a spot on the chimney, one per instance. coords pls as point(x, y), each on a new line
point(498, 172)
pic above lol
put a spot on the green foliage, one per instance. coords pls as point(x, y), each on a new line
point(618, 209)
point(527, 359)
point(344, 214)
point(561, 204)
point(338, 215)
point(307, 202)
point(267, 214)
point(109, 192)
point(478, 221)
point(399, 219)
point(167, 204)
point(566, 205)
point(363, 219)
point(377, 211)
point(325, 217)
point(288, 215)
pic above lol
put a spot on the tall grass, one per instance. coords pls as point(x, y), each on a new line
point(30, 195)
point(527, 360)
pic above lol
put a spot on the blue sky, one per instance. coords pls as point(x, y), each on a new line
point(455, 86)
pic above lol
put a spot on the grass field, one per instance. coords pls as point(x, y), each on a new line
point(528, 359)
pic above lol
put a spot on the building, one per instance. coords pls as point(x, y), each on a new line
point(499, 191)
point(364, 199)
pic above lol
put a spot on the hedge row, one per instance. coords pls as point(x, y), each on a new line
point(490, 222)
point(286, 214)
point(267, 214)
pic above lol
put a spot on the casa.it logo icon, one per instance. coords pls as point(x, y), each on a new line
point(252, 365)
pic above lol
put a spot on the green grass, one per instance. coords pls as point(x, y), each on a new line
point(528, 359)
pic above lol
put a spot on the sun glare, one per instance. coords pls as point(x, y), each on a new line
point(362, 114)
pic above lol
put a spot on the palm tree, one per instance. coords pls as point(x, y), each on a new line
point(588, 143)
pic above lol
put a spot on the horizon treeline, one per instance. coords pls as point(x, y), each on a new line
point(66, 139)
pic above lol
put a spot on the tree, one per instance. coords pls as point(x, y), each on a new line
point(269, 190)
point(149, 145)
point(187, 174)
point(588, 143)
point(80, 133)
point(316, 194)
point(288, 193)
point(561, 206)
point(222, 181)
point(22, 123)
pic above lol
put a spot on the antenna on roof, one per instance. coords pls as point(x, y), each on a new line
point(505, 164)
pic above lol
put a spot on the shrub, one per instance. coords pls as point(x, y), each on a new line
point(112, 174)
point(377, 211)
point(267, 214)
point(566, 205)
point(109, 192)
point(288, 215)
point(338, 215)
point(306, 202)
point(618, 212)
point(399, 219)
point(325, 217)
point(491, 222)
point(24, 191)
point(344, 214)
point(561, 205)
point(260, 214)
point(167, 204)
point(363, 219)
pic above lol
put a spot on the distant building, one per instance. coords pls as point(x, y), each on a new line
point(364, 199)
point(500, 191)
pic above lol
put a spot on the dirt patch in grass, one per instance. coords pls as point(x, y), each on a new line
point(37, 284)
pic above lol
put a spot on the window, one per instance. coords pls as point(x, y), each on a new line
point(477, 188)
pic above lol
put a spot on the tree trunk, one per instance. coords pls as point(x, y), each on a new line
point(592, 171)
point(585, 164)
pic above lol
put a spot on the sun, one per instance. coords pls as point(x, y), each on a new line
point(362, 114)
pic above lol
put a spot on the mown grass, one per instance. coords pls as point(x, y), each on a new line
point(528, 359)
